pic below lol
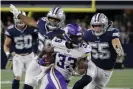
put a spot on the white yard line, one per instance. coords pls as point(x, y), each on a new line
point(10, 82)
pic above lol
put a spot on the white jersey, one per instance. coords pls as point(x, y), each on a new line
point(66, 59)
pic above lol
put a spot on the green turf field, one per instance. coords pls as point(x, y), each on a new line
point(120, 79)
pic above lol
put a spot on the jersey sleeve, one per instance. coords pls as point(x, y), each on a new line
point(41, 21)
point(41, 41)
point(85, 35)
point(57, 42)
point(87, 49)
point(115, 33)
point(8, 32)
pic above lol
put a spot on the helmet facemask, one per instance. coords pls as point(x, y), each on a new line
point(19, 22)
point(55, 18)
point(53, 23)
point(76, 39)
point(99, 22)
point(98, 29)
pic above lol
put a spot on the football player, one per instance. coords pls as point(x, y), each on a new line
point(21, 37)
point(67, 57)
point(106, 45)
point(48, 28)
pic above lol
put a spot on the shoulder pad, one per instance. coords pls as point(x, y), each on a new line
point(42, 19)
point(10, 27)
point(115, 32)
point(89, 29)
point(113, 29)
point(7, 33)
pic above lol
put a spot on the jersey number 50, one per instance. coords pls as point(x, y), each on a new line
point(100, 50)
point(23, 42)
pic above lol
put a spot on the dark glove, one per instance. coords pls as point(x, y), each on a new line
point(70, 45)
point(9, 56)
point(42, 62)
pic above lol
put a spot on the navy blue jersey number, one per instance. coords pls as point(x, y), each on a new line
point(66, 62)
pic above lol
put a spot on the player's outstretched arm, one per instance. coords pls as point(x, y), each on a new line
point(117, 46)
point(18, 14)
point(28, 21)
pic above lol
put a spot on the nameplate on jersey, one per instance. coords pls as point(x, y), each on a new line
point(75, 53)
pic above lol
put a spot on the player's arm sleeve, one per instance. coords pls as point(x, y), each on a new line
point(35, 34)
point(116, 43)
point(115, 34)
point(35, 41)
point(88, 52)
point(28, 21)
point(41, 41)
point(41, 24)
point(8, 33)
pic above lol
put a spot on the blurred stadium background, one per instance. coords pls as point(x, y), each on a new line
point(120, 12)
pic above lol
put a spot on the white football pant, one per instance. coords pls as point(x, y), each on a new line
point(34, 69)
point(100, 77)
point(21, 63)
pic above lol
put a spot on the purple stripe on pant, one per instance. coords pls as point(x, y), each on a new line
point(60, 78)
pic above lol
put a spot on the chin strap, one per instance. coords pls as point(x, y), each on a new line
point(110, 24)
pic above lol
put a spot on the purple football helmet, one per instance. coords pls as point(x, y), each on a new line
point(74, 32)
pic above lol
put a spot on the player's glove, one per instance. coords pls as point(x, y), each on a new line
point(74, 73)
point(9, 62)
point(15, 11)
point(42, 62)
point(10, 55)
point(70, 45)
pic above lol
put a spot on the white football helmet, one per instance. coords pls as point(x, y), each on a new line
point(19, 22)
point(101, 20)
point(58, 14)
